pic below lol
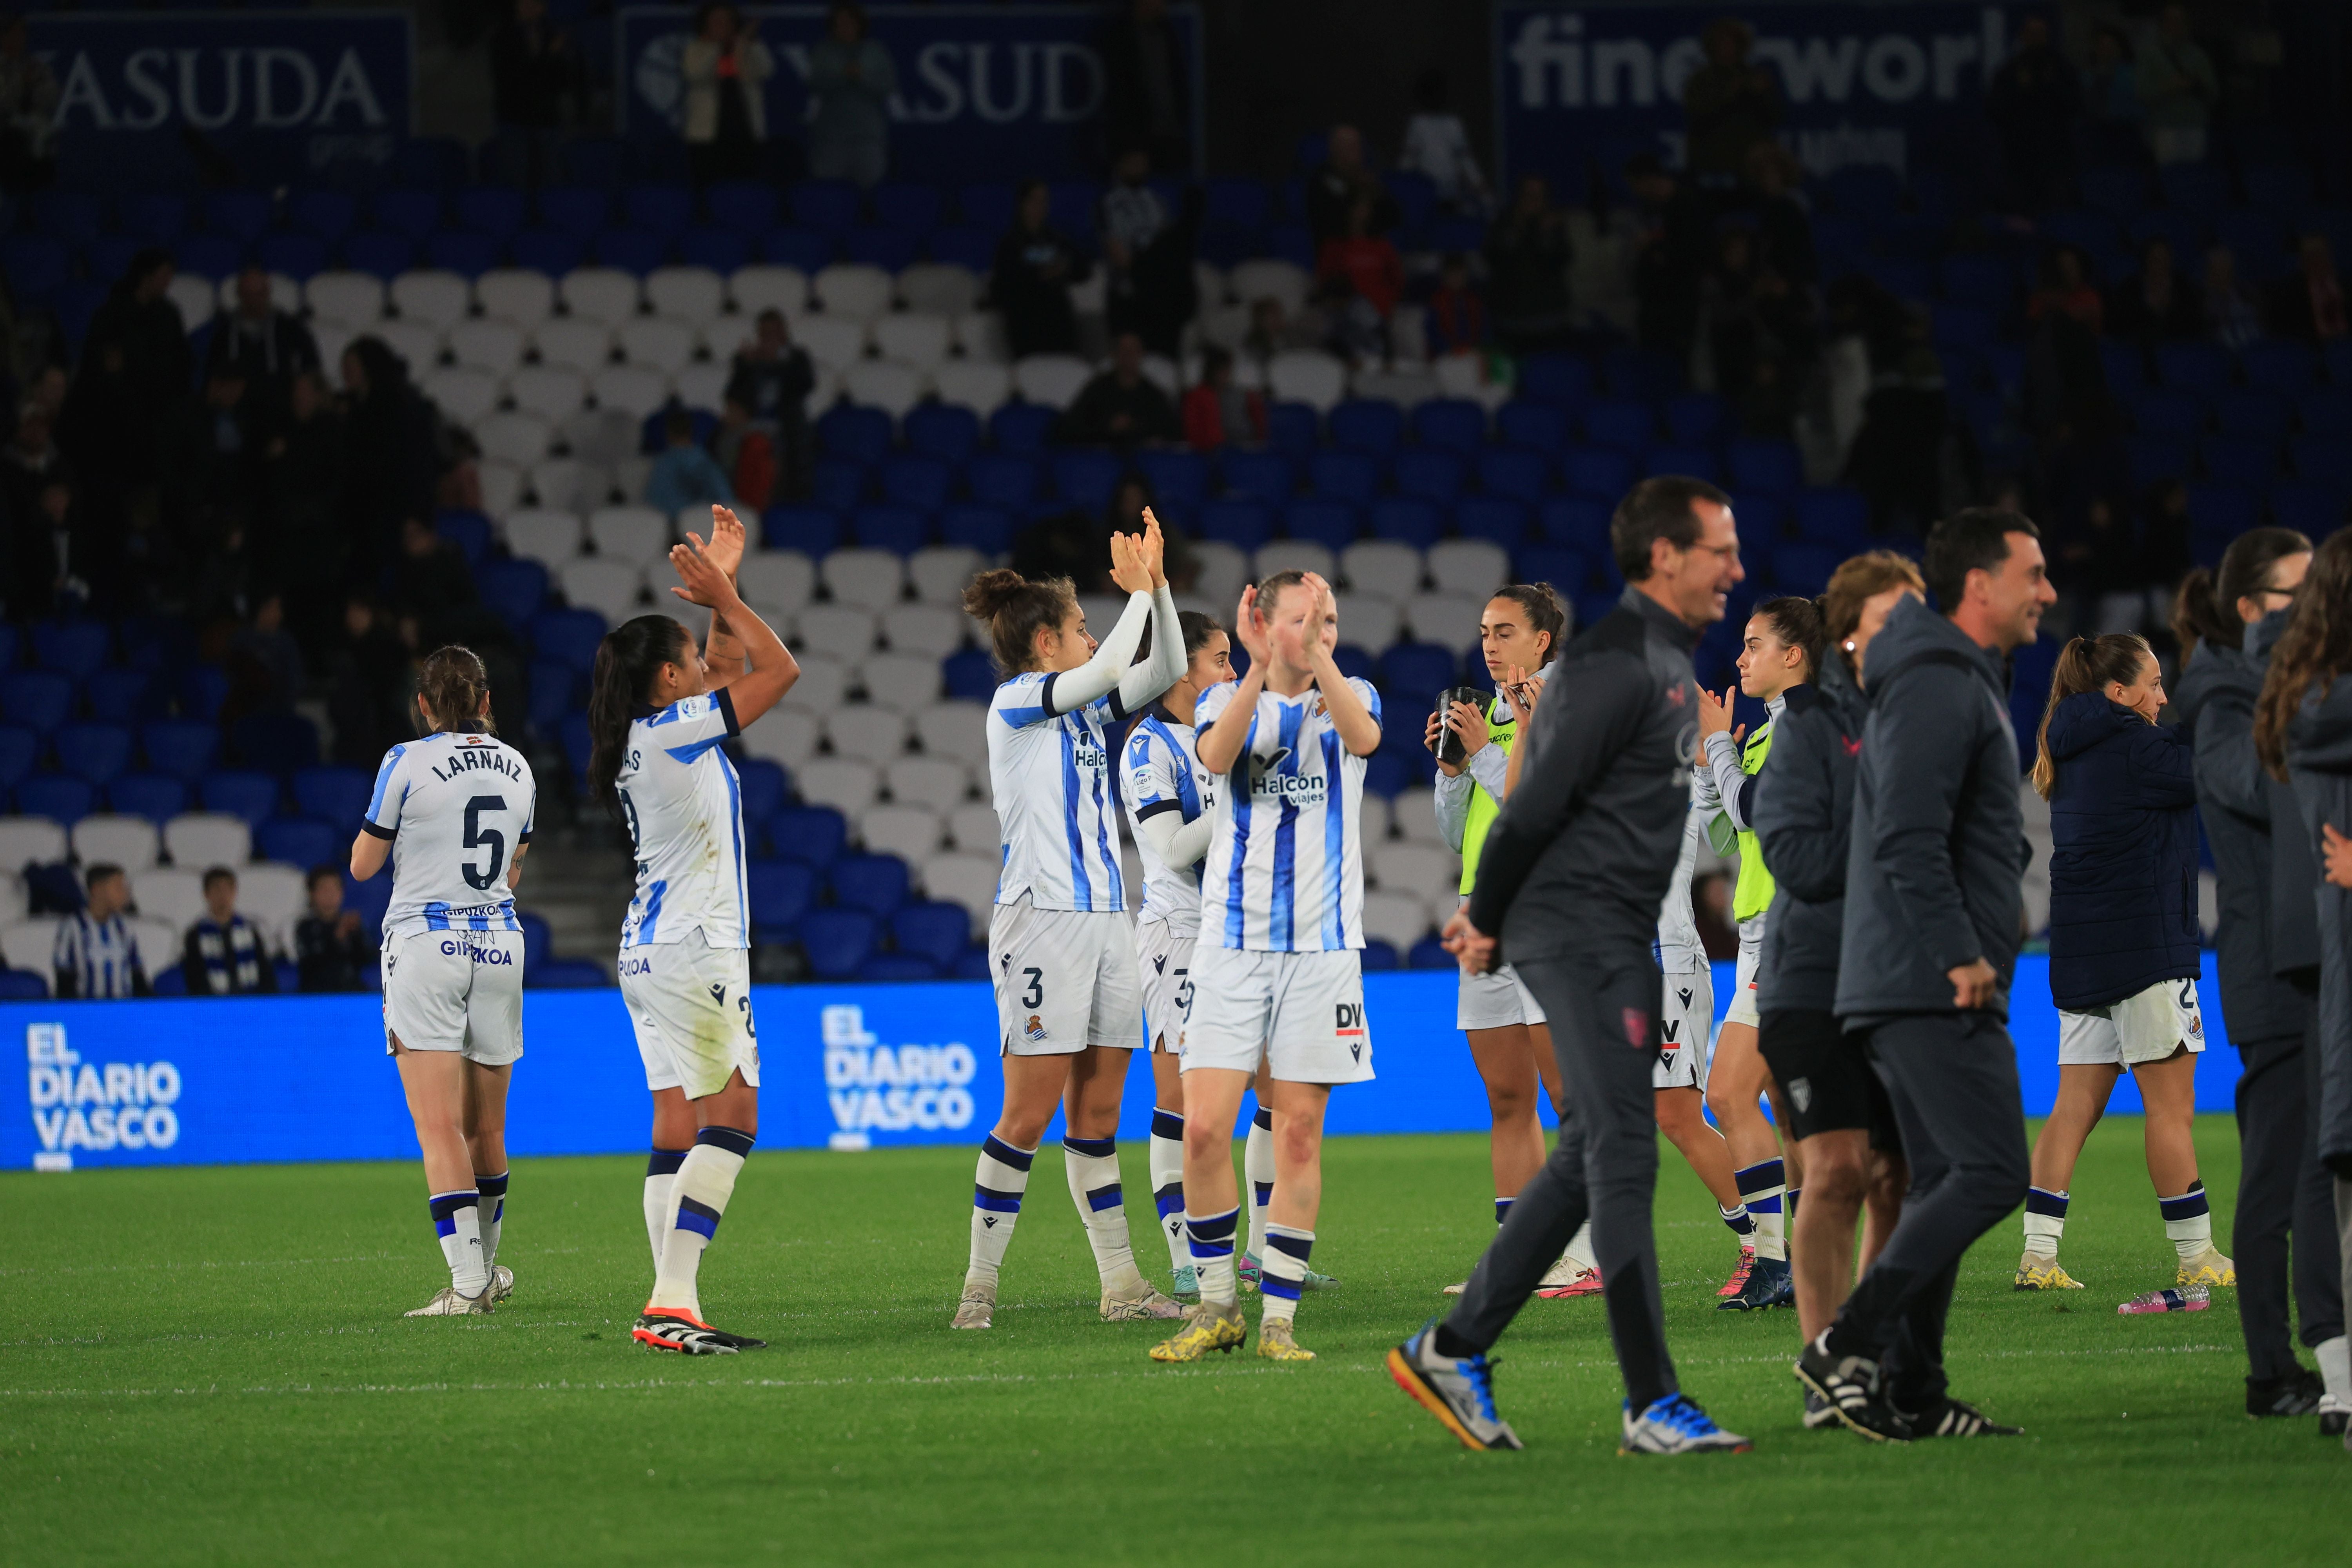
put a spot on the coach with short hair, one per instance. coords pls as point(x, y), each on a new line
point(1934, 898)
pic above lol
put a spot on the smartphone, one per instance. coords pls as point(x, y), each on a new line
point(1449, 744)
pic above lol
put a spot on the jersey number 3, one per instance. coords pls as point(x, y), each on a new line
point(477, 835)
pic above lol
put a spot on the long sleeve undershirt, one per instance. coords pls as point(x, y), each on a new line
point(1734, 787)
point(1488, 768)
point(1113, 669)
point(1178, 843)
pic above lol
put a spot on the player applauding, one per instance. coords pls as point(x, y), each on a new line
point(453, 813)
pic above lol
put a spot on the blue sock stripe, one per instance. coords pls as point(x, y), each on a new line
point(445, 1205)
point(664, 1162)
point(2188, 1206)
point(1212, 1226)
point(1740, 1221)
point(1275, 1286)
point(2049, 1203)
point(1092, 1147)
point(995, 1200)
point(1756, 1177)
point(1170, 1199)
point(1168, 1124)
point(736, 1143)
point(498, 1213)
point(1502, 1209)
point(1209, 1248)
point(1764, 1205)
point(1101, 1198)
point(698, 1218)
point(1263, 1192)
point(1263, 1117)
point(491, 1186)
point(1296, 1247)
point(1004, 1153)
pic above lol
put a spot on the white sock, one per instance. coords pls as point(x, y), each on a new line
point(1759, 1189)
point(1742, 1224)
point(2334, 1359)
point(2045, 1220)
point(1168, 1182)
point(661, 1171)
point(1579, 1248)
point(494, 1213)
point(997, 1188)
point(1282, 1271)
point(2188, 1221)
point(458, 1221)
point(1092, 1167)
point(1211, 1238)
point(703, 1182)
point(1257, 1169)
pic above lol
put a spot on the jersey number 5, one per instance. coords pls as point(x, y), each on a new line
point(477, 836)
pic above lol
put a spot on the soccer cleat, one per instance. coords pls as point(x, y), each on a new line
point(1818, 1412)
point(2036, 1272)
point(1738, 1281)
point(2335, 1418)
point(447, 1303)
point(672, 1329)
point(1954, 1418)
point(1676, 1424)
point(2299, 1393)
point(1849, 1386)
point(1456, 1289)
point(1277, 1342)
point(502, 1282)
point(2207, 1269)
point(1245, 1273)
point(1149, 1306)
point(1458, 1391)
point(1583, 1282)
point(1186, 1284)
point(1769, 1285)
point(978, 1308)
point(1206, 1328)
point(2193, 1299)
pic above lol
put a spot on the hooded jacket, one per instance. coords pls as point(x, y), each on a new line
point(2294, 871)
point(2214, 698)
point(1934, 873)
point(2123, 864)
point(2319, 763)
point(1803, 811)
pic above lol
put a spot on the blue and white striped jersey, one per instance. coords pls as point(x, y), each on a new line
point(682, 802)
point(456, 807)
point(99, 959)
point(1050, 775)
point(1285, 871)
point(1163, 775)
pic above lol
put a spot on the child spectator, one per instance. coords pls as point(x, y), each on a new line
point(685, 474)
point(226, 953)
point(330, 945)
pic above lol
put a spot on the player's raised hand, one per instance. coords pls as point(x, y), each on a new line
point(1715, 713)
point(1322, 615)
point(1155, 550)
point(725, 548)
point(1128, 567)
point(1522, 691)
point(702, 583)
point(1249, 625)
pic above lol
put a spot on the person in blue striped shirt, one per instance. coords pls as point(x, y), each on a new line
point(97, 952)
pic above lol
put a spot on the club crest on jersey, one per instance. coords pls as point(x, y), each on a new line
point(1035, 1028)
point(1800, 1092)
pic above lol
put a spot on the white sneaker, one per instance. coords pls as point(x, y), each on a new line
point(977, 1310)
point(447, 1303)
point(502, 1282)
point(1149, 1306)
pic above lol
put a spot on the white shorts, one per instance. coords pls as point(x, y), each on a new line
point(1495, 1001)
point(1164, 963)
point(455, 991)
point(1686, 1031)
point(1751, 951)
point(1066, 979)
point(1300, 1014)
point(691, 1005)
point(2145, 1028)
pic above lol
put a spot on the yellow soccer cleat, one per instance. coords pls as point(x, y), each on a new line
point(2035, 1272)
point(2208, 1267)
point(1206, 1329)
point(1276, 1341)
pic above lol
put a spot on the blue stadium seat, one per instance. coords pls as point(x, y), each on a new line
point(1329, 524)
point(468, 531)
point(2258, 241)
point(1087, 478)
point(1621, 424)
point(806, 248)
point(513, 587)
point(763, 788)
point(551, 685)
point(637, 251)
point(2325, 411)
point(24, 986)
point(9, 651)
point(1366, 425)
point(1534, 427)
point(568, 635)
point(2223, 509)
point(969, 675)
point(663, 209)
point(936, 931)
point(572, 736)
point(456, 250)
point(1580, 522)
point(829, 207)
point(1176, 478)
point(415, 213)
point(1407, 520)
point(2193, 366)
point(1697, 419)
point(211, 257)
point(1020, 427)
point(378, 253)
point(2246, 461)
point(2119, 190)
point(1647, 376)
point(1697, 462)
point(781, 893)
point(745, 206)
point(242, 215)
point(152, 795)
point(1514, 471)
point(300, 257)
point(983, 528)
point(70, 217)
point(1261, 476)
point(1772, 467)
point(901, 530)
point(943, 431)
point(1242, 203)
point(1427, 953)
point(987, 205)
point(73, 648)
point(1831, 515)
point(838, 484)
point(334, 794)
point(837, 940)
point(1243, 525)
point(2324, 460)
point(538, 939)
point(37, 266)
point(490, 209)
point(2152, 460)
point(275, 742)
point(2199, 188)
point(875, 883)
point(152, 218)
point(2307, 506)
point(300, 840)
point(1556, 565)
point(38, 700)
point(896, 968)
point(1350, 476)
point(1802, 567)
point(812, 530)
point(2279, 187)
point(1426, 475)
point(180, 748)
point(919, 482)
point(859, 434)
point(61, 798)
point(578, 211)
point(2176, 416)
point(18, 747)
point(973, 248)
point(998, 480)
point(1450, 424)
point(602, 161)
point(891, 249)
point(548, 250)
point(94, 754)
point(1598, 471)
point(1564, 380)
point(1386, 774)
point(1497, 519)
point(1978, 278)
point(722, 250)
point(812, 835)
point(327, 215)
point(2279, 364)
point(2245, 411)
point(203, 687)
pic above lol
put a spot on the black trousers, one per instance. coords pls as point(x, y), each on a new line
point(2283, 1236)
point(1604, 1032)
point(1953, 1079)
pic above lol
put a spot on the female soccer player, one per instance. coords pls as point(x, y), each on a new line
point(1168, 799)
point(1782, 645)
point(1059, 943)
point(658, 715)
point(2124, 943)
point(1276, 977)
point(452, 812)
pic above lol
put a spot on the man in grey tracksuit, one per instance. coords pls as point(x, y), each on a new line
point(1932, 902)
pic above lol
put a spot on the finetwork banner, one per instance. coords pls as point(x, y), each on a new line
point(984, 93)
point(1861, 82)
point(844, 1067)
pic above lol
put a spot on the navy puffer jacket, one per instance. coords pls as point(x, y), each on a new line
point(2122, 874)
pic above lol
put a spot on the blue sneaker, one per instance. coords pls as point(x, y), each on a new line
point(1460, 1392)
point(1676, 1424)
point(1769, 1285)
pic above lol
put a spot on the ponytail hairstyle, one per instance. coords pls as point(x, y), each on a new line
point(450, 686)
point(1198, 629)
point(1797, 622)
point(1540, 603)
point(2316, 645)
point(627, 660)
point(1014, 610)
point(2206, 609)
point(2084, 664)
point(1858, 579)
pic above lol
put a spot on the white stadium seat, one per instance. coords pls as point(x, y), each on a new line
point(1382, 569)
point(1397, 919)
point(776, 580)
point(940, 572)
point(906, 681)
point(31, 946)
point(1368, 623)
point(694, 294)
point(547, 535)
point(1450, 620)
point(871, 578)
point(938, 783)
point(126, 841)
point(882, 383)
point(465, 394)
point(271, 896)
point(161, 942)
point(1102, 611)
point(783, 736)
point(847, 288)
point(965, 879)
point(980, 335)
point(957, 730)
point(939, 288)
point(499, 485)
point(845, 631)
point(34, 840)
point(611, 588)
point(974, 384)
point(1053, 380)
point(1294, 555)
point(285, 294)
point(835, 342)
point(920, 340)
point(600, 293)
point(1465, 375)
point(1223, 569)
point(438, 300)
point(823, 683)
point(702, 385)
point(906, 831)
point(866, 732)
point(1308, 376)
point(355, 299)
point(564, 484)
point(515, 294)
point(762, 287)
point(637, 535)
point(659, 342)
point(520, 438)
point(195, 298)
point(13, 900)
point(419, 344)
point(1473, 566)
point(934, 631)
point(196, 839)
point(1265, 278)
point(633, 389)
point(974, 827)
point(487, 344)
point(1209, 284)
point(1409, 866)
point(575, 343)
point(722, 337)
point(552, 391)
point(174, 894)
point(847, 785)
point(1415, 814)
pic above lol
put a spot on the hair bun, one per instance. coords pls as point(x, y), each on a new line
point(991, 591)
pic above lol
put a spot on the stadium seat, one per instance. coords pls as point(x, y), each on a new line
point(337, 795)
point(941, 432)
point(837, 940)
point(1450, 424)
point(19, 748)
point(60, 798)
point(781, 894)
point(95, 753)
point(1407, 520)
point(1597, 471)
point(1518, 473)
point(1368, 426)
point(301, 841)
point(568, 635)
point(36, 699)
point(813, 834)
point(1497, 518)
point(153, 796)
point(1426, 475)
point(876, 884)
point(937, 932)
point(129, 842)
point(1330, 523)
point(71, 647)
point(1627, 426)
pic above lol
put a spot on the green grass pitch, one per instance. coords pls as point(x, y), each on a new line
point(209, 1366)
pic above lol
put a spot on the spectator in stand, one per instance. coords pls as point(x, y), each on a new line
point(2032, 101)
point(1457, 315)
point(264, 663)
point(2309, 304)
point(850, 81)
point(1030, 284)
point(1437, 145)
point(1065, 544)
point(139, 343)
point(772, 378)
point(212, 461)
point(1784, 234)
point(390, 460)
point(97, 957)
point(685, 477)
point(534, 68)
point(1669, 256)
point(726, 69)
point(265, 347)
point(746, 455)
point(1753, 315)
point(2232, 312)
point(1360, 277)
point(29, 112)
point(301, 482)
point(367, 696)
point(1345, 179)
point(2111, 97)
point(226, 953)
point(1217, 412)
point(2096, 552)
point(1274, 330)
point(1147, 257)
point(432, 582)
point(330, 945)
point(1527, 270)
point(2178, 89)
point(1121, 407)
point(2154, 305)
point(2067, 290)
point(1147, 102)
point(1898, 456)
point(1732, 105)
point(31, 469)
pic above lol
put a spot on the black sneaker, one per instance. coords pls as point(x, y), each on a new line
point(671, 1330)
point(2296, 1393)
point(1818, 1412)
point(1849, 1385)
point(1954, 1418)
